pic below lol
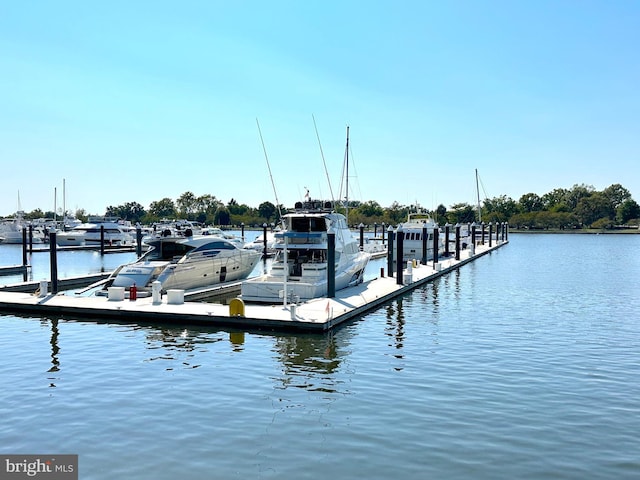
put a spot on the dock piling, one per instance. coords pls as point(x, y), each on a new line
point(53, 261)
point(331, 264)
point(399, 255)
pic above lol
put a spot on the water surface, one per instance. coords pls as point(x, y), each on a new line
point(522, 364)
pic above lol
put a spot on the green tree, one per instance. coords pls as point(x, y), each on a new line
point(164, 208)
point(499, 209)
point(461, 213)
point(370, 209)
point(530, 202)
point(187, 205)
point(441, 213)
point(222, 216)
point(555, 199)
point(592, 208)
point(616, 194)
point(132, 211)
point(627, 210)
point(577, 193)
point(396, 213)
point(268, 211)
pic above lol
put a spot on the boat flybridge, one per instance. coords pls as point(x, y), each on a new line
point(414, 231)
point(299, 269)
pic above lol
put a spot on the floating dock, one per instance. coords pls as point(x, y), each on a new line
point(319, 314)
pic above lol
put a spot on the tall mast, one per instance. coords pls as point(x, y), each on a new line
point(478, 194)
point(347, 178)
point(275, 193)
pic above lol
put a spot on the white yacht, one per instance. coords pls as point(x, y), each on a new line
point(257, 243)
point(412, 242)
point(185, 263)
point(90, 234)
point(11, 230)
point(218, 232)
point(299, 269)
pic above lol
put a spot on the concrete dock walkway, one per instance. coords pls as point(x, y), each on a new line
point(320, 314)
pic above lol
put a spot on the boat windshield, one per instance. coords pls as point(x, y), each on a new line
point(308, 224)
point(215, 245)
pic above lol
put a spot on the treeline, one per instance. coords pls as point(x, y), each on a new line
point(578, 207)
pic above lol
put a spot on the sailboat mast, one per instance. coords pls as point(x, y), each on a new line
point(478, 194)
point(275, 193)
point(347, 178)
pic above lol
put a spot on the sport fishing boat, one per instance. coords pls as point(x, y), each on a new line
point(299, 269)
point(11, 230)
point(185, 263)
point(414, 229)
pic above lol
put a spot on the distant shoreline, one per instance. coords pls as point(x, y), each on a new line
point(591, 231)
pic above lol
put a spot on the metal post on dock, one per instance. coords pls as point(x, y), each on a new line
point(24, 254)
point(264, 241)
point(436, 232)
point(53, 261)
point(382, 233)
point(24, 246)
point(390, 251)
point(506, 231)
point(375, 229)
point(30, 238)
point(399, 255)
point(473, 238)
point(424, 243)
point(482, 238)
point(101, 239)
point(138, 240)
point(331, 263)
point(457, 241)
point(361, 227)
point(446, 239)
point(490, 233)
point(242, 230)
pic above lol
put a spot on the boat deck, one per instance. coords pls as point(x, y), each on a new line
point(320, 314)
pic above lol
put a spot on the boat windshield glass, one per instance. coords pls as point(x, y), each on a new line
point(167, 251)
point(308, 224)
point(217, 245)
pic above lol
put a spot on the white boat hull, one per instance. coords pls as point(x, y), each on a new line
point(311, 284)
point(217, 262)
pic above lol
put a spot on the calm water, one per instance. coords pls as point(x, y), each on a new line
point(523, 364)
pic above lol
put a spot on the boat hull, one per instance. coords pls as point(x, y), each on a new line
point(311, 284)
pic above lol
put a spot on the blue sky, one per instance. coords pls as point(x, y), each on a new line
point(138, 101)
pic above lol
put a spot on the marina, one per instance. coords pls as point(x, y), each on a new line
point(317, 314)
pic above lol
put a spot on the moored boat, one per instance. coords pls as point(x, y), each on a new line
point(414, 233)
point(185, 263)
point(300, 267)
point(11, 230)
point(91, 234)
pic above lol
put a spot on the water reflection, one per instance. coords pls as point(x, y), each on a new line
point(309, 361)
point(395, 326)
point(55, 349)
point(174, 342)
